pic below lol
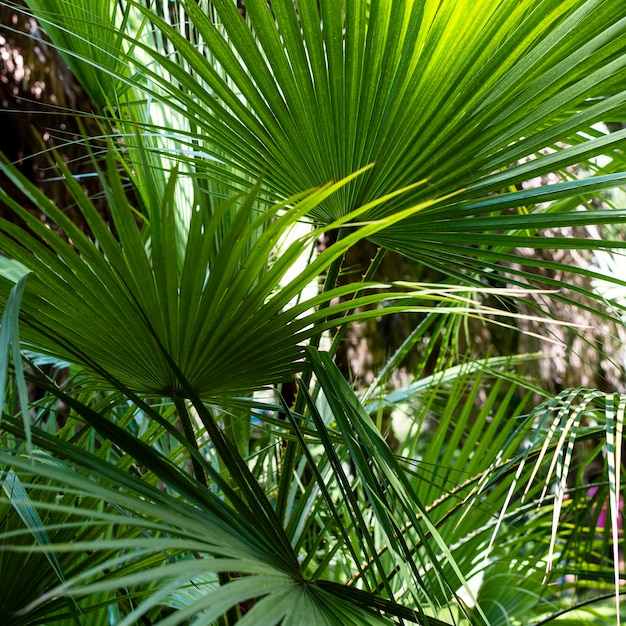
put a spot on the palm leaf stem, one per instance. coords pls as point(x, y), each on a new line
point(330, 283)
point(185, 420)
point(578, 605)
point(254, 506)
point(342, 323)
point(368, 277)
point(293, 448)
point(137, 449)
point(259, 506)
point(39, 378)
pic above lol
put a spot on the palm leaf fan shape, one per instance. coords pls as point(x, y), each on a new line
point(140, 309)
point(476, 97)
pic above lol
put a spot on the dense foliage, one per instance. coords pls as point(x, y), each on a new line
point(178, 444)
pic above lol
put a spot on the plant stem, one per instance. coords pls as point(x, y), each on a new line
point(371, 270)
point(231, 616)
point(185, 420)
point(291, 446)
point(329, 283)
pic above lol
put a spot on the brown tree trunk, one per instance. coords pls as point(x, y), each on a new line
point(40, 108)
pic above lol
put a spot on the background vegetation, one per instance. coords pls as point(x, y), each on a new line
point(214, 413)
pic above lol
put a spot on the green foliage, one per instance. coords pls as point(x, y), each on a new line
point(164, 479)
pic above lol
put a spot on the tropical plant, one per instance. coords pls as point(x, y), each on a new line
point(165, 477)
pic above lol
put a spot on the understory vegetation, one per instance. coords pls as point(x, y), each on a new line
point(195, 426)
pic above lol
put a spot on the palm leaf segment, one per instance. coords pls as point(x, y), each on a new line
point(477, 98)
point(144, 312)
point(453, 92)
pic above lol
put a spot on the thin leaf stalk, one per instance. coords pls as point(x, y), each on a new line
point(367, 277)
point(330, 283)
point(190, 435)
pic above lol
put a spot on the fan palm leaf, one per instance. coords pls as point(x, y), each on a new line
point(476, 98)
point(497, 489)
point(164, 543)
point(433, 116)
point(142, 309)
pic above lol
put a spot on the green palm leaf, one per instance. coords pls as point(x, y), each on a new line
point(500, 489)
point(318, 104)
point(476, 98)
point(130, 308)
point(163, 544)
point(447, 110)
